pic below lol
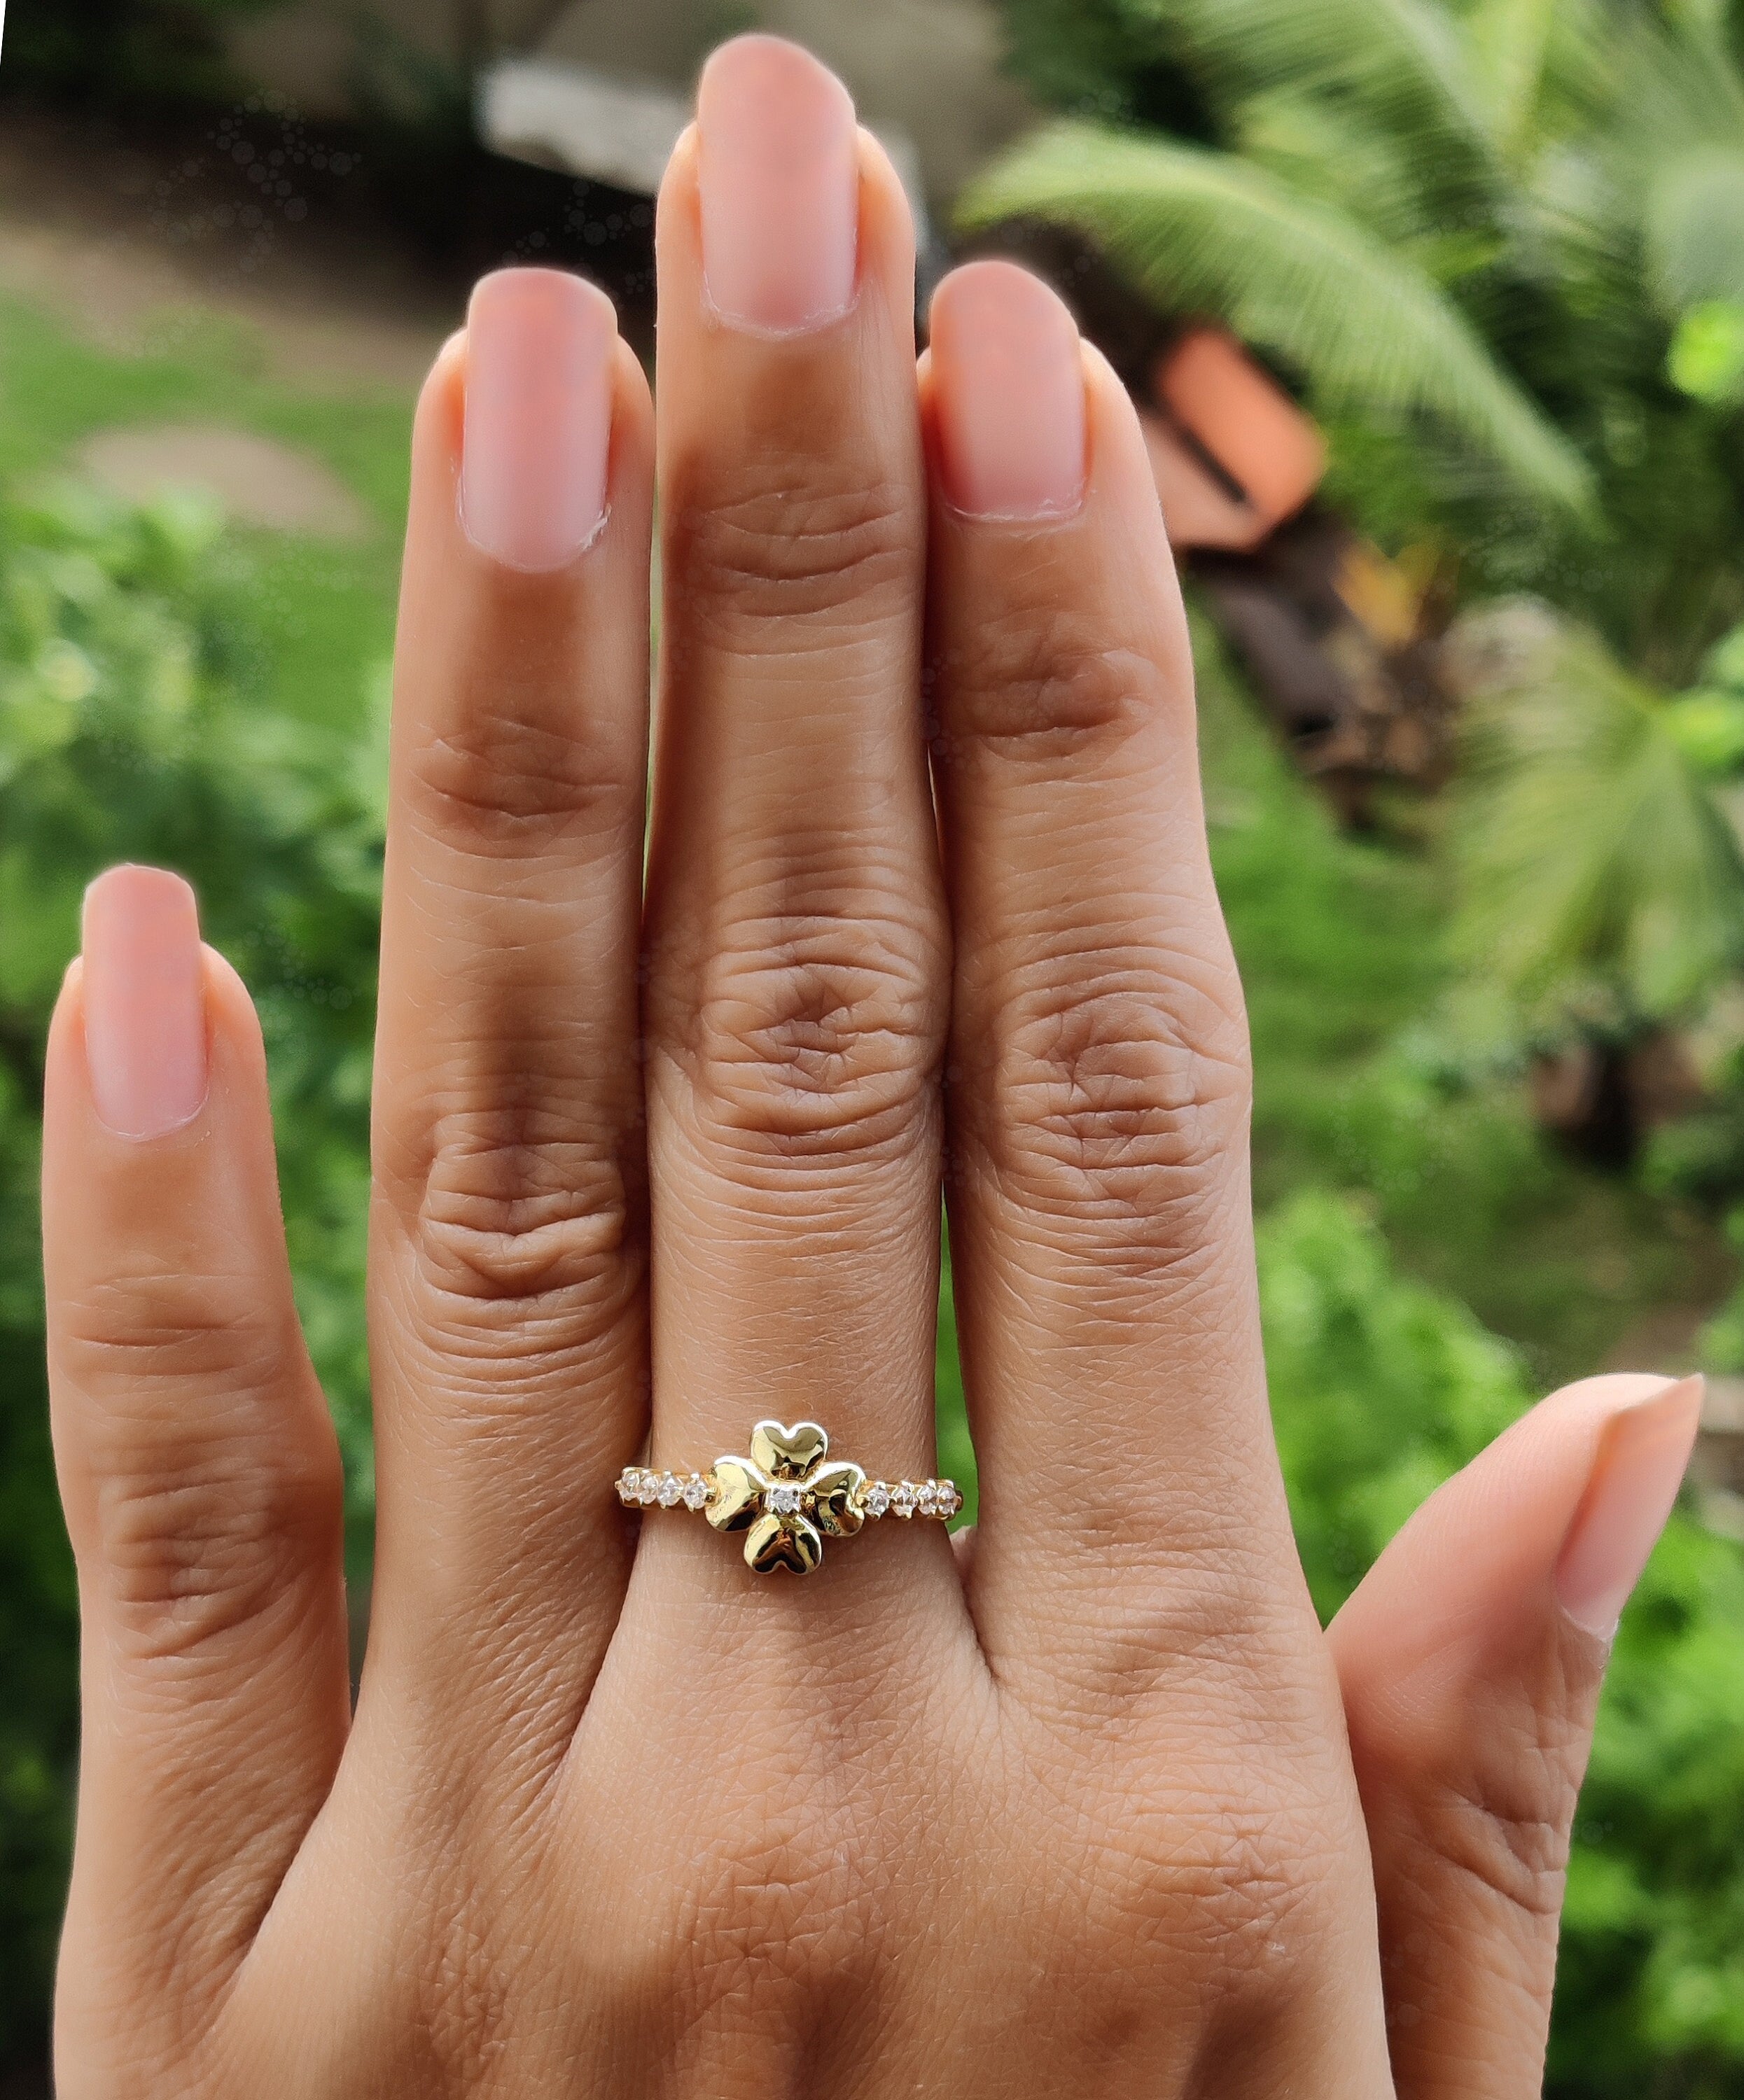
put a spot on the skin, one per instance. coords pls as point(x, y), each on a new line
point(1090, 1803)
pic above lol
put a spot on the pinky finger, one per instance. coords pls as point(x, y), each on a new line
point(1471, 1660)
point(200, 1475)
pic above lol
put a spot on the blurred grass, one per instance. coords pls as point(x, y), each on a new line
point(317, 609)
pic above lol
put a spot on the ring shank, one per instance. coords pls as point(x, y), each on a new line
point(642, 1487)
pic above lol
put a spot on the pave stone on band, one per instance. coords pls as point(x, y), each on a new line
point(787, 1496)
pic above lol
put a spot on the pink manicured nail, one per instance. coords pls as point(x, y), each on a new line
point(1643, 1452)
point(145, 1015)
point(780, 173)
point(539, 346)
point(1007, 388)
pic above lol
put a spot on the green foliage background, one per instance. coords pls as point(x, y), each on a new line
point(1482, 236)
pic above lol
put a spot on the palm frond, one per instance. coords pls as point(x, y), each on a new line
point(1511, 42)
point(1593, 857)
point(1683, 87)
point(1673, 157)
point(1204, 231)
point(1694, 227)
point(1326, 149)
point(1404, 60)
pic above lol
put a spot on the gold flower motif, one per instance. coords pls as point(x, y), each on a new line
point(786, 1497)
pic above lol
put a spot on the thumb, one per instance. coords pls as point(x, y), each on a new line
point(1471, 1659)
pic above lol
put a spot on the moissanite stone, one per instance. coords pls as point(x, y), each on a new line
point(626, 1486)
point(876, 1499)
point(784, 1499)
point(927, 1501)
point(903, 1498)
point(647, 1489)
point(950, 1501)
point(669, 1490)
point(695, 1492)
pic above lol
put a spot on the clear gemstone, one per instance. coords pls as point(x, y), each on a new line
point(695, 1492)
point(647, 1489)
point(669, 1491)
point(877, 1499)
point(927, 1501)
point(784, 1499)
point(950, 1501)
point(627, 1485)
point(903, 1498)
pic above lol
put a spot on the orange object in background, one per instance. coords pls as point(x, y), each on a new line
point(1252, 435)
point(1198, 508)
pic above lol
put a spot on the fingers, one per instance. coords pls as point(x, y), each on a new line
point(198, 1467)
point(1098, 1073)
point(795, 936)
point(1471, 1660)
point(508, 1334)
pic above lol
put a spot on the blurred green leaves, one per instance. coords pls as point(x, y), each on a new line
point(1599, 873)
point(1706, 356)
point(1479, 235)
point(1381, 1387)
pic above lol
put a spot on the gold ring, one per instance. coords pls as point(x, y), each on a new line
point(788, 1496)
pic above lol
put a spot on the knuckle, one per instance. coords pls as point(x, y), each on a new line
point(1042, 682)
point(206, 1533)
point(780, 548)
point(788, 1896)
point(525, 1232)
point(512, 782)
point(1201, 1885)
point(1251, 1878)
point(1117, 1089)
point(214, 1465)
point(781, 1898)
point(157, 1326)
point(818, 1034)
point(1503, 1824)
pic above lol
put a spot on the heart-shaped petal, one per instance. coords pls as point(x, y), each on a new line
point(739, 1492)
point(782, 1542)
point(835, 1492)
point(788, 1455)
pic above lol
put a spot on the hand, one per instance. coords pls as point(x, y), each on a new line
point(1072, 1808)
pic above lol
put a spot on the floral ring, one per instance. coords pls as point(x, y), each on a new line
point(787, 1496)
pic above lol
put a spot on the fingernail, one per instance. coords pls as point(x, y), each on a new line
point(539, 345)
point(145, 1017)
point(779, 173)
point(1643, 1452)
point(1007, 390)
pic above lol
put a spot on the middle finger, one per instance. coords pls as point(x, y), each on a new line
point(795, 945)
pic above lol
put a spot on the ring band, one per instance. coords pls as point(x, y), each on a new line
point(788, 1496)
